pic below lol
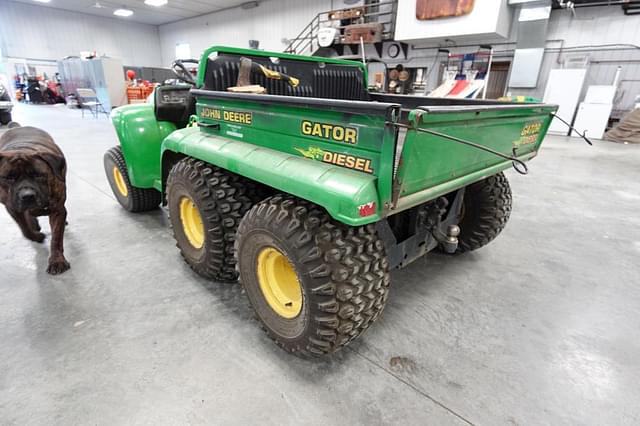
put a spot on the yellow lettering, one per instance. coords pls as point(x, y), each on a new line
point(350, 163)
point(327, 130)
point(338, 133)
point(327, 157)
point(350, 135)
point(367, 167)
point(210, 113)
point(341, 160)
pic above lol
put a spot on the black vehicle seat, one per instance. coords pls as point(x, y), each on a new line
point(317, 79)
point(174, 103)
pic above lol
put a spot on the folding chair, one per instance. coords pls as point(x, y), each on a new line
point(88, 99)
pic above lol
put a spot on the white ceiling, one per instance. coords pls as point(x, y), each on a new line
point(174, 11)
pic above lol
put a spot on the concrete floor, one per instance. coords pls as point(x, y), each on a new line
point(540, 327)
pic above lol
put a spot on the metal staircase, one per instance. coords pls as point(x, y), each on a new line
point(373, 12)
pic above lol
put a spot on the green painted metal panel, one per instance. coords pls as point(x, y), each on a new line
point(429, 161)
point(285, 128)
point(340, 191)
point(140, 136)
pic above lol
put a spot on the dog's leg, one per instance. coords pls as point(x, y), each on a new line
point(25, 224)
point(57, 263)
point(33, 221)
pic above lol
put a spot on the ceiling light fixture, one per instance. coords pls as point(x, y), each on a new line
point(42, 1)
point(123, 12)
point(156, 3)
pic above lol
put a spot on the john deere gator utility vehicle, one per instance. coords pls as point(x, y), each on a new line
point(285, 172)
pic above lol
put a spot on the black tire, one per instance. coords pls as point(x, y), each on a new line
point(221, 201)
point(133, 199)
point(5, 117)
point(485, 212)
point(342, 271)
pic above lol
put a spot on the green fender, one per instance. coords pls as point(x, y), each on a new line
point(140, 136)
point(342, 192)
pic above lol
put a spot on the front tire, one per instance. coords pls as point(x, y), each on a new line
point(315, 284)
point(485, 212)
point(206, 205)
point(133, 199)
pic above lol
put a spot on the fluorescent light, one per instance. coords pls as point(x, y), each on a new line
point(123, 12)
point(42, 1)
point(156, 2)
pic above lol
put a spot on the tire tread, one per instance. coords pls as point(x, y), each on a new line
point(224, 202)
point(347, 266)
point(489, 214)
point(142, 199)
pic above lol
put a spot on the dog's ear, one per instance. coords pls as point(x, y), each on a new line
point(57, 163)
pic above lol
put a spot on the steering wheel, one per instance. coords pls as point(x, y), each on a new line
point(181, 71)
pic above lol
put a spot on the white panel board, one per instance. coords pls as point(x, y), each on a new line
point(526, 67)
point(592, 119)
point(600, 94)
point(563, 89)
point(114, 80)
point(489, 18)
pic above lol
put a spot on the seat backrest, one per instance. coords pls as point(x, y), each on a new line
point(317, 79)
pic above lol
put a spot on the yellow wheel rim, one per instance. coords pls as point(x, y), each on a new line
point(191, 222)
point(279, 283)
point(120, 184)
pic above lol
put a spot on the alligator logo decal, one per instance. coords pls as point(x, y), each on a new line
point(313, 153)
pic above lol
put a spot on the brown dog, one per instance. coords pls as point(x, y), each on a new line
point(32, 183)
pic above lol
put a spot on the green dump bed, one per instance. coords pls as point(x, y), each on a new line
point(360, 155)
point(429, 165)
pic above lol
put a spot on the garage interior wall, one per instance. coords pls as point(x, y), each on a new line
point(269, 23)
point(605, 34)
point(51, 34)
point(608, 37)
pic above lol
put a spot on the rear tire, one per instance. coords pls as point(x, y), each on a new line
point(133, 199)
point(330, 281)
point(486, 209)
point(206, 205)
point(5, 118)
